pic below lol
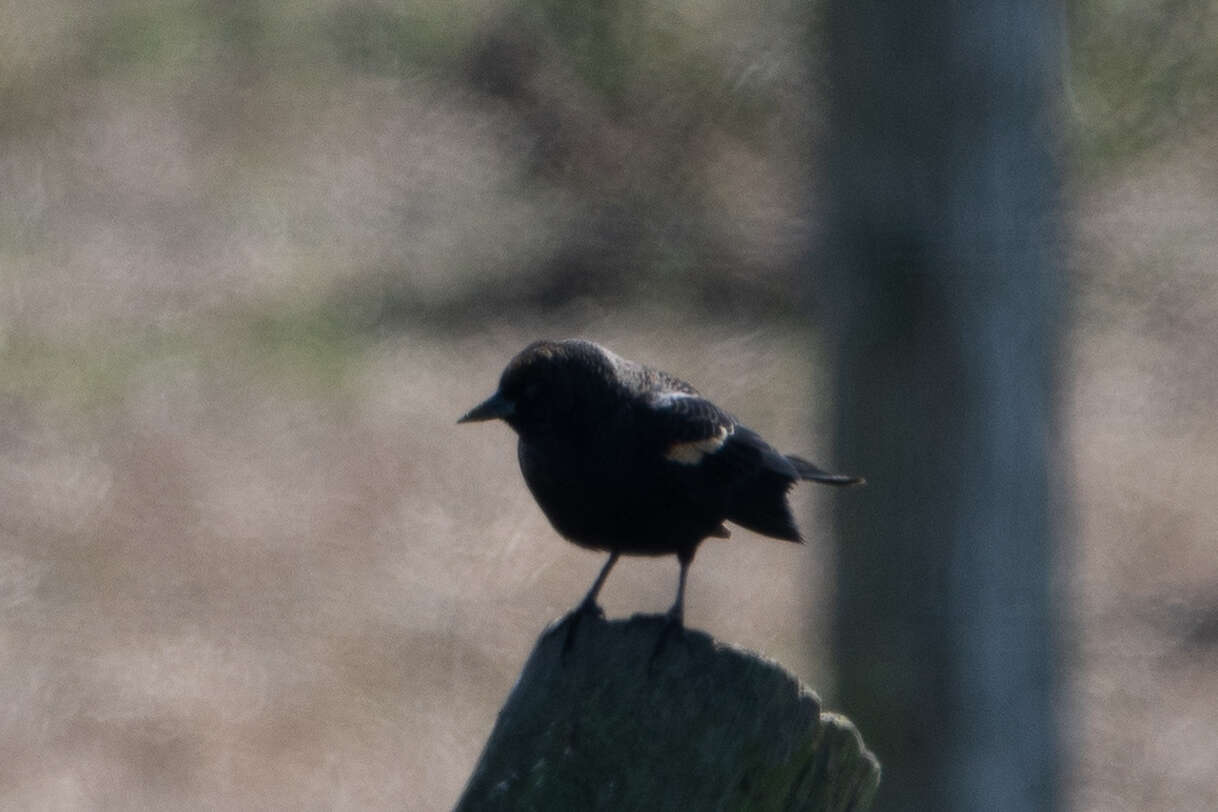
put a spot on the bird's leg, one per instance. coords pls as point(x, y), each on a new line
point(677, 613)
point(588, 605)
point(674, 620)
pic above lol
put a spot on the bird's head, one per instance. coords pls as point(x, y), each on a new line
point(545, 385)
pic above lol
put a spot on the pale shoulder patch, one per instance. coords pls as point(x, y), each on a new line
point(692, 452)
point(665, 399)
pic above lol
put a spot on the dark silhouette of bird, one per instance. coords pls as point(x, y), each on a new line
point(631, 460)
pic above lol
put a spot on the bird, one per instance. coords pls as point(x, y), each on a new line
point(629, 460)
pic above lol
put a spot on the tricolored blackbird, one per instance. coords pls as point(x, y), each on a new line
point(628, 459)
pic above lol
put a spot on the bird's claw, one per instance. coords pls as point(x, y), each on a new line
point(585, 609)
point(674, 625)
point(588, 607)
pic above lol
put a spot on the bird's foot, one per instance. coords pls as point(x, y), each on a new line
point(588, 608)
point(674, 627)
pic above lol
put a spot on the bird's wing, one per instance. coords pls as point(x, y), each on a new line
point(692, 431)
point(686, 427)
point(721, 465)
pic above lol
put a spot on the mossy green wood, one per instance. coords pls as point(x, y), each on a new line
point(701, 726)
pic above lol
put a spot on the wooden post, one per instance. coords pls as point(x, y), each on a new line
point(702, 725)
point(943, 286)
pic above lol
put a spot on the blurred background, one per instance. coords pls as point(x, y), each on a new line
point(256, 259)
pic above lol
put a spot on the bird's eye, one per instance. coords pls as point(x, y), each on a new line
point(531, 391)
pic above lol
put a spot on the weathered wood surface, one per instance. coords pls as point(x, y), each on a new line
point(700, 726)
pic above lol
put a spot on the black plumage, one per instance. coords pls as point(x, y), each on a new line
point(631, 460)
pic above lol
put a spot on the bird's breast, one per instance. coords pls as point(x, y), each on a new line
point(605, 499)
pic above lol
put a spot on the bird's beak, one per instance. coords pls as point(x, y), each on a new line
point(494, 407)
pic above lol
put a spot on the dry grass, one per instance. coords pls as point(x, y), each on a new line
point(246, 558)
point(231, 585)
point(1143, 451)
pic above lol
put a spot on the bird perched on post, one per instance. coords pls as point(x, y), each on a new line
point(631, 460)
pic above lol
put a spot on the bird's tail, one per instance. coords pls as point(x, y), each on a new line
point(809, 471)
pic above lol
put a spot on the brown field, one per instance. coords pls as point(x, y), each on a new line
point(247, 560)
